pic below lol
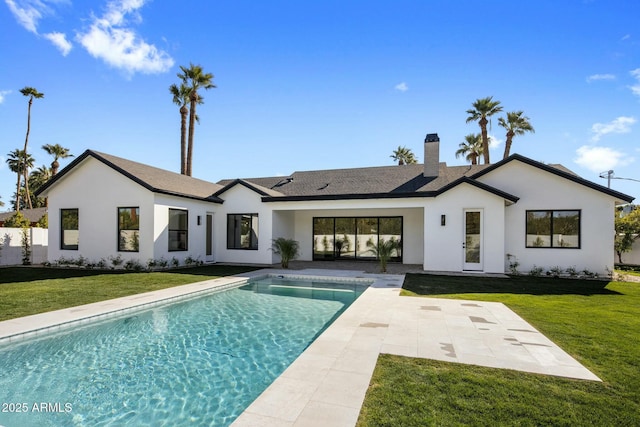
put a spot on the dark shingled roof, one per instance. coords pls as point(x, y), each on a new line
point(391, 180)
point(154, 179)
point(332, 184)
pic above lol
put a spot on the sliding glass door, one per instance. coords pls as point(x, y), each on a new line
point(351, 238)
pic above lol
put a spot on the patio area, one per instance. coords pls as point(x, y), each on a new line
point(327, 384)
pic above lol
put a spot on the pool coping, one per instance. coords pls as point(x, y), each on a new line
point(42, 324)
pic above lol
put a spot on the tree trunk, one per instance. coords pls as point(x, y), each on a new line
point(55, 165)
point(19, 173)
point(26, 142)
point(26, 186)
point(183, 139)
point(485, 139)
point(192, 122)
point(507, 145)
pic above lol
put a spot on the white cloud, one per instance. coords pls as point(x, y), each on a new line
point(621, 124)
point(60, 41)
point(494, 142)
point(635, 89)
point(626, 37)
point(27, 12)
point(109, 39)
point(3, 93)
point(595, 77)
point(402, 87)
point(598, 159)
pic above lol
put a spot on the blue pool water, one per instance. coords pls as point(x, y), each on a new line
point(199, 362)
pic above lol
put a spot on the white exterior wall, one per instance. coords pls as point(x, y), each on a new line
point(539, 190)
point(97, 191)
point(443, 245)
point(196, 243)
point(241, 200)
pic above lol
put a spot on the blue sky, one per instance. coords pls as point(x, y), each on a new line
point(305, 85)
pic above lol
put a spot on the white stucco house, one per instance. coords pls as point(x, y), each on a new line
point(447, 218)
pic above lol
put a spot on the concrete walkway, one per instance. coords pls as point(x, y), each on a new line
point(327, 384)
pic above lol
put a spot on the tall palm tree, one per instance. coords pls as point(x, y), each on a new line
point(58, 152)
point(31, 93)
point(471, 148)
point(195, 78)
point(404, 156)
point(181, 97)
point(515, 124)
point(481, 112)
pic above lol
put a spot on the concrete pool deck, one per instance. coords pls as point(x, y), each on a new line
point(327, 383)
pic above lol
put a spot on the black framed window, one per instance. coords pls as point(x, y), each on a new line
point(553, 229)
point(178, 230)
point(129, 229)
point(69, 231)
point(242, 231)
point(352, 237)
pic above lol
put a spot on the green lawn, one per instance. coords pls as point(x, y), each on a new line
point(32, 290)
point(598, 323)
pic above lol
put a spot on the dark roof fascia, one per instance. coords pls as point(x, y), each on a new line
point(87, 153)
point(361, 196)
point(481, 186)
point(241, 182)
point(558, 172)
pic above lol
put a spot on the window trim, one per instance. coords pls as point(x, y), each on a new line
point(62, 230)
point(185, 230)
point(120, 229)
point(238, 245)
point(551, 233)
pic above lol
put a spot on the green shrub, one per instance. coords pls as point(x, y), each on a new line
point(288, 249)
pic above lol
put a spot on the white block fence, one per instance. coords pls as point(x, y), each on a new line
point(11, 245)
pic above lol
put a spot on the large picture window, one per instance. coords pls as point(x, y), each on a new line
point(69, 232)
point(242, 231)
point(353, 237)
point(553, 229)
point(129, 229)
point(178, 230)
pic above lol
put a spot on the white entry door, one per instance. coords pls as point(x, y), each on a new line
point(209, 237)
point(473, 240)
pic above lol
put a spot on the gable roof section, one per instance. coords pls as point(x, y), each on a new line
point(153, 179)
point(263, 191)
point(560, 171)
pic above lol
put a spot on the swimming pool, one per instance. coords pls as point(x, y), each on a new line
point(196, 362)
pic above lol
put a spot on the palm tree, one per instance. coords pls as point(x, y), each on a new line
point(515, 124)
point(404, 156)
point(481, 112)
point(38, 178)
point(31, 93)
point(384, 250)
point(19, 161)
point(195, 78)
point(288, 249)
point(471, 148)
point(58, 152)
point(181, 96)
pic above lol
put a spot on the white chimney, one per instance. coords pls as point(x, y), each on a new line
point(431, 154)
